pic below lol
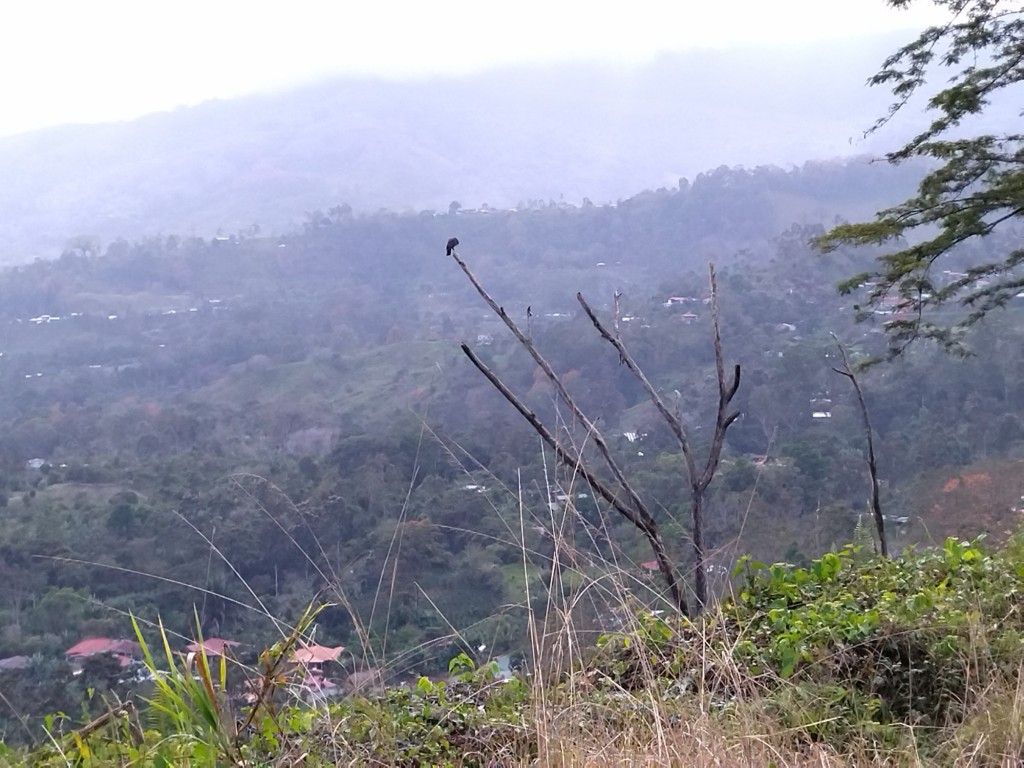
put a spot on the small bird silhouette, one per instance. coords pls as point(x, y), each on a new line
point(452, 242)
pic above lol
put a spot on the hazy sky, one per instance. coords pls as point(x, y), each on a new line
point(85, 61)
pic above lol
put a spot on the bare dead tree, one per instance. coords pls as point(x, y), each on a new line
point(626, 501)
point(876, 506)
point(699, 477)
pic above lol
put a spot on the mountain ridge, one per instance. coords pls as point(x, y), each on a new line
point(503, 137)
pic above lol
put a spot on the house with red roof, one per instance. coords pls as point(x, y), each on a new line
point(213, 646)
point(316, 654)
point(315, 687)
point(309, 660)
point(125, 651)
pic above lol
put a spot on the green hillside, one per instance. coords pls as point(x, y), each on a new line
point(230, 429)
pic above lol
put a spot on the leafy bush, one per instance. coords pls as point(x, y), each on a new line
point(847, 647)
point(473, 719)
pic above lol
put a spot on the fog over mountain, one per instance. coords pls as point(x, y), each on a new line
point(386, 389)
point(563, 133)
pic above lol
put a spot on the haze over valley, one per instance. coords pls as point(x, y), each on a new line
point(503, 138)
point(240, 376)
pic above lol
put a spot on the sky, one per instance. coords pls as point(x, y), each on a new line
point(69, 61)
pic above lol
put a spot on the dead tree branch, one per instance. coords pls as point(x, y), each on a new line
point(876, 506)
point(699, 479)
point(126, 710)
point(632, 507)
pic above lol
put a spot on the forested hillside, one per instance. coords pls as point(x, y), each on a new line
point(300, 402)
point(502, 138)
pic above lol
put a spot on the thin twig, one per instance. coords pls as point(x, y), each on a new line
point(876, 506)
point(699, 480)
point(636, 512)
point(640, 518)
point(127, 709)
point(563, 393)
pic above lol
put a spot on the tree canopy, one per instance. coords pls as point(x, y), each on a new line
point(974, 186)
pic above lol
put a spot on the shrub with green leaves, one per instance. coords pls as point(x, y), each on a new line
point(847, 646)
point(468, 720)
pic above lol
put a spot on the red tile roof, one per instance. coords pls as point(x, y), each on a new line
point(91, 646)
point(213, 646)
point(318, 683)
point(317, 654)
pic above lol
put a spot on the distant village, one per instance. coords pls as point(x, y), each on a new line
point(313, 672)
point(45, 319)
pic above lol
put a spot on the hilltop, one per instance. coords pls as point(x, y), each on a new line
point(505, 138)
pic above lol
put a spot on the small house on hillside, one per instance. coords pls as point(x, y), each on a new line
point(672, 301)
point(315, 656)
point(313, 682)
point(315, 687)
point(759, 460)
point(125, 651)
point(213, 646)
point(821, 408)
point(12, 663)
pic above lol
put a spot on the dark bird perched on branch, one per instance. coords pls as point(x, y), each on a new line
point(452, 242)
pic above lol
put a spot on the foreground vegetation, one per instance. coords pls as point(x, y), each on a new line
point(853, 660)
